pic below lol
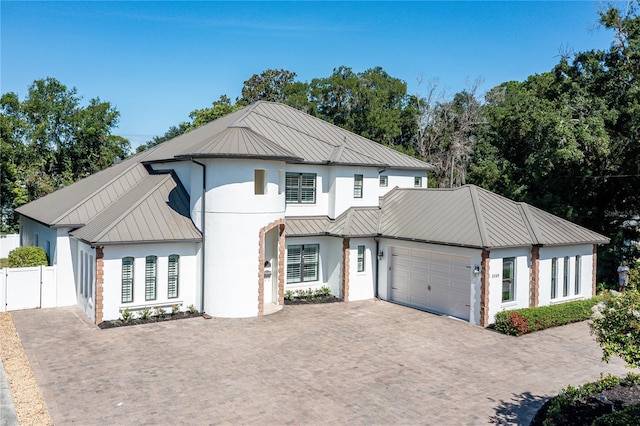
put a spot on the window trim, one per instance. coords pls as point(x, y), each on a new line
point(358, 186)
point(512, 285)
point(417, 181)
point(384, 181)
point(129, 280)
point(259, 182)
point(361, 258)
point(565, 277)
point(175, 274)
point(554, 278)
point(578, 267)
point(150, 278)
point(299, 187)
point(302, 266)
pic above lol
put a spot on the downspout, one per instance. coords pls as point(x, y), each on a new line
point(202, 221)
point(377, 260)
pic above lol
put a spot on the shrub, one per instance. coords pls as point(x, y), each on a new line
point(521, 321)
point(175, 309)
point(145, 313)
point(27, 256)
point(192, 309)
point(616, 325)
point(159, 311)
point(629, 415)
point(127, 315)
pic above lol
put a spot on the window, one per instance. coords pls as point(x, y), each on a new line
point(127, 279)
point(300, 188)
point(577, 276)
point(554, 278)
point(281, 181)
point(302, 263)
point(417, 182)
point(150, 278)
point(360, 258)
point(260, 182)
point(172, 291)
point(565, 277)
point(357, 186)
point(384, 181)
point(508, 279)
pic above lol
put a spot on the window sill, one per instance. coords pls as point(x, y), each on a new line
point(151, 304)
point(509, 304)
point(565, 299)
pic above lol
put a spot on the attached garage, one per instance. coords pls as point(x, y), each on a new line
point(433, 281)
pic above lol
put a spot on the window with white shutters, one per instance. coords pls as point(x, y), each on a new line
point(127, 279)
point(300, 188)
point(150, 278)
point(173, 276)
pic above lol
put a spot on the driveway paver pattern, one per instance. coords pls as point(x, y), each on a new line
point(370, 362)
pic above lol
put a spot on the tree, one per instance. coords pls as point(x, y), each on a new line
point(616, 324)
point(275, 86)
point(49, 140)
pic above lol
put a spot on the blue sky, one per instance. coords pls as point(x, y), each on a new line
point(157, 61)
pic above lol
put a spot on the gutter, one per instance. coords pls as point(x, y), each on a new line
point(202, 220)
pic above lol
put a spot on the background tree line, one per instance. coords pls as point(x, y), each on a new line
point(565, 140)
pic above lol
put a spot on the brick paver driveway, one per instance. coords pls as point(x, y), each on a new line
point(367, 362)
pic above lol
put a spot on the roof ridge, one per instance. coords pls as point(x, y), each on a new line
point(249, 109)
point(477, 209)
point(103, 186)
point(133, 206)
point(529, 221)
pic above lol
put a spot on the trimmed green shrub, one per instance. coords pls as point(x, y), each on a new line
point(521, 321)
point(27, 256)
point(629, 415)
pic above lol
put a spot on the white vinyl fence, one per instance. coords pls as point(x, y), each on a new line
point(27, 288)
point(8, 242)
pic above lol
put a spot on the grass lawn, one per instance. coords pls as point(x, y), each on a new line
point(4, 262)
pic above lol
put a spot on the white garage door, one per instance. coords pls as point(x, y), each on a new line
point(433, 281)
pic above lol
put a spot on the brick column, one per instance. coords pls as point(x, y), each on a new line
point(534, 283)
point(281, 253)
point(484, 289)
point(345, 269)
point(594, 271)
point(99, 283)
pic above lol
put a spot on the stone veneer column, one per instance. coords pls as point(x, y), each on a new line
point(99, 283)
point(345, 269)
point(594, 270)
point(280, 223)
point(534, 284)
point(484, 289)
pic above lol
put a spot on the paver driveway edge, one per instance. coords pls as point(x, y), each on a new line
point(370, 362)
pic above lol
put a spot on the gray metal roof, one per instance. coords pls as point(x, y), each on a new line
point(76, 204)
point(468, 216)
point(273, 130)
point(155, 210)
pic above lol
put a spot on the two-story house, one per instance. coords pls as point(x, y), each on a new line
point(267, 199)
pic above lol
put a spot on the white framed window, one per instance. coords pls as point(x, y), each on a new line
point(565, 277)
point(302, 263)
point(300, 188)
point(150, 277)
point(127, 279)
point(358, 181)
point(174, 270)
point(259, 182)
point(508, 279)
point(384, 181)
point(576, 286)
point(361, 251)
point(554, 278)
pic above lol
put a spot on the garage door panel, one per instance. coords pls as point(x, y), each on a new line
point(433, 281)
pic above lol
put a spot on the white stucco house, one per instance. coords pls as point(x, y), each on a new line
point(267, 199)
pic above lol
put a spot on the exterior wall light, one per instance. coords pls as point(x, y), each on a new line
point(380, 255)
point(476, 270)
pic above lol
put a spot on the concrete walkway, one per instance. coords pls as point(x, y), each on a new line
point(7, 410)
point(367, 362)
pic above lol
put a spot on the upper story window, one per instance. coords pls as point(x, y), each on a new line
point(384, 180)
point(260, 182)
point(357, 186)
point(417, 182)
point(300, 188)
point(127, 279)
point(508, 279)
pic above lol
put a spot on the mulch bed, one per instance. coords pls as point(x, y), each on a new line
point(585, 412)
point(311, 301)
point(162, 318)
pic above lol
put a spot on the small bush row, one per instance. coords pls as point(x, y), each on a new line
point(558, 410)
point(521, 321)
point(323, 292)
